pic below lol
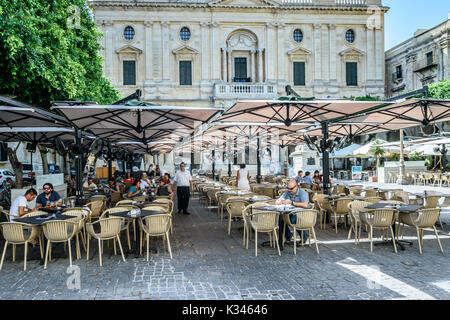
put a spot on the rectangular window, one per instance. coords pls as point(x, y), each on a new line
point(129, 73)
point(185, 73)
point(352, 74)
point(299, 73)
point(398, 72)
point(429, 58)
point(240, 70)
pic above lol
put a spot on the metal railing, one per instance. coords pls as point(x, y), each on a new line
point(425, 63)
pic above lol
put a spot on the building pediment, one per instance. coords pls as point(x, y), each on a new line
point(129, 50)
point(184, 50)
point(352, 52)
point(244, 3)
point(299, 51)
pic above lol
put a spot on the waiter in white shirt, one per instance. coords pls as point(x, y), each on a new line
point(183, 181)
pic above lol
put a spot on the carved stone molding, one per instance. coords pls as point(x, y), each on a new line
point(317, 26)
point(148, 23)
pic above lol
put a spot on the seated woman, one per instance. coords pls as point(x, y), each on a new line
point(113, 185)
point(167, 179)
point(316, 177)
point(163, 189)
point(129, 178)
point(135, 189)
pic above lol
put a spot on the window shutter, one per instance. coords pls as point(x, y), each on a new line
point(185, 73)
point(240, 66)
point(352, 73)
point(129, 73)
point(299, 73)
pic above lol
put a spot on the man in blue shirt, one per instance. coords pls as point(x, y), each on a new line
point(299, 177)
point(307, 179)
point(49, 197)
point(296, 197)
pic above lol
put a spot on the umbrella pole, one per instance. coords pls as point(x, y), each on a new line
point(109, 161)
point(401, 177)
point(78, 168)
point(213, 163)
point(325, 158)
point(258, 161)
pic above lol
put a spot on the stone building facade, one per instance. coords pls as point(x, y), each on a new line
point(420, 60)
point(214, 52)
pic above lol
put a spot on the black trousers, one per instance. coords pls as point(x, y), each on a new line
point(183, 194)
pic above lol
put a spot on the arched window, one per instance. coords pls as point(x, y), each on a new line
point(128, 33)
point(350, 36)
point(185, 34)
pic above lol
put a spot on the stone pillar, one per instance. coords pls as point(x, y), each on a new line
point(317, 52)
point(409, 73)
point(215, 57)
point(204, 48)
point(148, 50)
point(370, 53)
point(325, 50)
point(253, 64)
point(109, 26)
point(157, 56)
point(230, 76)
point(379, 54)
point(165, 50)
point(281, 53)
point(333, 54)
point(224, 64)
point(270, 52)
point(260, 66)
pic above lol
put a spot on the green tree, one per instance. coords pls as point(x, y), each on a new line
point(377, 151)
point(49, 51)
point(439, 90)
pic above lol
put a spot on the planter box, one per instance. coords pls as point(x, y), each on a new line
point(373, 179)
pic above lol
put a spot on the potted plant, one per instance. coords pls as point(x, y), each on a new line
point(378, 152)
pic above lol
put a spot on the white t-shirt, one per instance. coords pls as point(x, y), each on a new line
point(144, 184)
point(183, 178)
point(14, 210)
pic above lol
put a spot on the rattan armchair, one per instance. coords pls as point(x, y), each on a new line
point(167, 202)
point(59, 231)
point(115, 198)
point(234, 210)
point(17, 233)
point(424, 219)
point(402, 196)
point(109, 229)
point(339, 190)
point(373, 199)
point(322, 204)
point(431, 202)
point(80, 219)
point(355, 190)
point(355, 208)
point(140, 198)
point(267, 222)
point(221, 200)
point(125, 226)
point(306, 220)
point(379, 219)
point(155, 226)
point(370, 193)
point(340, 209)
point(96, 206)
point(124, 202)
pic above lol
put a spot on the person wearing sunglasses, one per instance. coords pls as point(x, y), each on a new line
point(296, 197)
point(49, 197)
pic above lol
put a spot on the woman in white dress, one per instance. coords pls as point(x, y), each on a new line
point(243, 178)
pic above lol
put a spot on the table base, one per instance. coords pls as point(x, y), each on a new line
point(397, 242)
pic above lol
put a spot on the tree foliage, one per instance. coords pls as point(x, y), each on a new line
point(439, 90)
point(45, 55)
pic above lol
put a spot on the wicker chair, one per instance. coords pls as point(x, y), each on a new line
point(383, 194)
point(269, 192)
point(373, 199)
point(340, 209)
point(211, 197)
point(370, 193)
point(246, 217)
point(17, 233)
point(221, 200)
point(322, 204)
point(124, 202)
point(266, 222)
point(339, 190)
point(155, 226)
point(109, 229)
point(281, 191)
point(402, 196)
point(125, 223)
point(355, 207)
point(306, 220)
point(140, 198)
point(169, 203)
point(96, 207)
point(425, 218)
point(59, 231)
point(379, 219)
point(115, 198)
point(81, 230)
point(431, 202)
point(355, 191)
point(234, 210)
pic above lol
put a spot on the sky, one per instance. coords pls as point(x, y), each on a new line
point(406, 16)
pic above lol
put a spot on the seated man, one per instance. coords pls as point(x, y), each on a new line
point(296, 197)
point(307, 179)
point(19, 205)
point(6, 186)
point(48, 197)
point(89, 184)
point(299, 177)
point(145, 182)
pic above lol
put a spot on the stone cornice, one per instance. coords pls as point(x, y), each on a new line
point(281, 6)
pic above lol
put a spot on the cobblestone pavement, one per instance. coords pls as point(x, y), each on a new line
point(210, 264)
